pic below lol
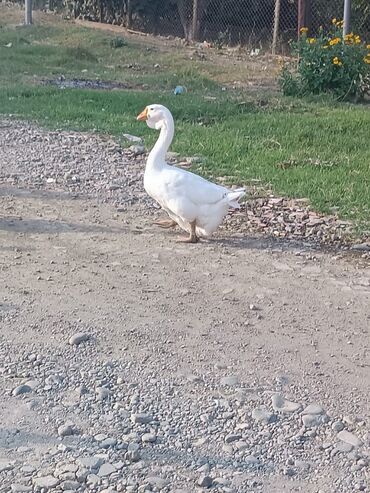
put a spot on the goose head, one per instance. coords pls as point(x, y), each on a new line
point(155, 116)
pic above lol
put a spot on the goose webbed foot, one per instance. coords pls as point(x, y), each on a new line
point(165, 223)
point(192, 238)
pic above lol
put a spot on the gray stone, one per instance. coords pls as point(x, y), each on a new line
point(65, 430)
point(157, 481)
point(282, 405)
point(261, 414)
point(108, 442)
point(5, 466)
point(76, 339)
point(230, 381)
point(22, 389)
point(46, 482)
point(312, 420)
point(337, 426)
point(93, 479)
point(20, 488)
point(70, 485)
point(102, 393)
point(106, 469)
point(133, 138)
point(343, 447)
point(313, 409)
point(302, 465)
point(137, 149)
point(141, 418)
point(232, 437)
point(90, 463)
point(148, 438)
point(205, 481)
point(350, 438)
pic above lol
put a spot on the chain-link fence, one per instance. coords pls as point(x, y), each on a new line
point(256, 24)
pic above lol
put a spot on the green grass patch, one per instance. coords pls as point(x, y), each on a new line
point(315, 148)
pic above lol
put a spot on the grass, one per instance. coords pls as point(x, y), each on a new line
point(316, 149)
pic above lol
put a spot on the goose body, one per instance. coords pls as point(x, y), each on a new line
point(195, 204)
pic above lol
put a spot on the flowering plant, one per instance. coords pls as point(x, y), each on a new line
point(329, 62)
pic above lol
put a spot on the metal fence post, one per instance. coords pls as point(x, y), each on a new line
point(346, 17)
point(28, 12)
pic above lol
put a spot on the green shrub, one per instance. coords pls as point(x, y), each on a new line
point(118, 42)
point(328, 63)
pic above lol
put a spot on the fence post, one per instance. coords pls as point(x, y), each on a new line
point(276, 26)
point(28, 12)
point(346, 17)
point(195, 20)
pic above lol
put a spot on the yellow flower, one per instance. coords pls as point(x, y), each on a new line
point(336, 61)
point(303, 30)
point(357, 40)
point(368, 47)
point(334, 21)
point(334, 41)
point(311, 41)
point(340, 23)
point(367, 60)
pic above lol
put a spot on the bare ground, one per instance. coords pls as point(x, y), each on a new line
point(281, 317)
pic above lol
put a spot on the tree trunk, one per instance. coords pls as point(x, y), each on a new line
point(276, 26)
point(183, 9)
point(129, 14)
point(196, 19)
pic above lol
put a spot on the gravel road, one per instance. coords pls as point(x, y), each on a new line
point(131, 363)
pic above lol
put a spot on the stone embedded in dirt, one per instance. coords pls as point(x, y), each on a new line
point(313, 409)
point(157, 482)
point(76, 339)
point(261, 414)
point(232, 437)
point(108, 442)
point(22, 389)
point(342, 447)
point(312, 420)
point(20, 488)
point(350, 438)
point(5, 466)
point(148, 438)
point(361, 247)
point(70, 485)
point(230, 381)
point(66, 430)
point(46, 482)
point(280, 404)
point(90, 463)
point(106, 469)
point(137, 149)
point(141, 418)
point(337, 426)
point(102, 393)
point(133, 138)
point(205, 481)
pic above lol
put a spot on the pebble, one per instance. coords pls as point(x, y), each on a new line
point(141, 418)
point(232, 437)
point(90, 463)
point(148, 438)
point(280, 404)
point(20, 488)
point(102, 393)
point(230, 381)
point(313, 409)
point(5, 466)
point(337, 426)
point(205, 481)
point(65, 430)
point(22, 389)
point(78, 338)
point(70, 485)
point(350, 438)
point(312, 420)
point(261, 414)
point(46, 482)
point(106, 469)
point(157, 482)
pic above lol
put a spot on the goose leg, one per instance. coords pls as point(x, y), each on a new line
point(193, 238)
point(165, 223)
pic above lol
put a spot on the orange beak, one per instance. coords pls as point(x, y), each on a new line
point(143, 115)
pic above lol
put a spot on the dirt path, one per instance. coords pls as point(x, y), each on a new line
point(178, 319)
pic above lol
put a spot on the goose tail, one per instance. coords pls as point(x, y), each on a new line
point(234, 196)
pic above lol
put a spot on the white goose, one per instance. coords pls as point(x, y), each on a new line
point(195, 204)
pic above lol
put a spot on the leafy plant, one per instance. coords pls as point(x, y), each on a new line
point(328, 63)
point(118, 42)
